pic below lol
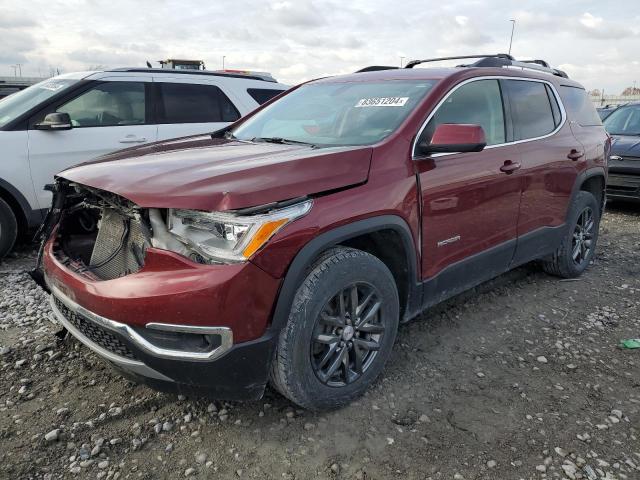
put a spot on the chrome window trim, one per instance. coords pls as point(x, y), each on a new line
point(226, 334)
point(492, 77)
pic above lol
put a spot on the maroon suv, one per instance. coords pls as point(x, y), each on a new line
point(287, 248)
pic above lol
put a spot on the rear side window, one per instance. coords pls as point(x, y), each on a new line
point(478, 102)
point(531, 107)
point(263, 95)
point(193, 103)
point(579, 106)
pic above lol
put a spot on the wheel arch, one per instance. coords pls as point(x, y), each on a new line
point(366, 235)
point(25, 215)
point(593, 181)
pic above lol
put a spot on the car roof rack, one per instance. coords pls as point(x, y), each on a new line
point(266, 77)
point(375, 68)
point(498, 60)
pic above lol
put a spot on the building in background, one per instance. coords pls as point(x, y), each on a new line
point(9, 85)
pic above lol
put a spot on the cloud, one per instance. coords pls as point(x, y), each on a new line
point(296, 70)
point(460, 31)
point(14, 45)
point(10, 19)
point(298, 14)
point(299, 40)
point(597, 27)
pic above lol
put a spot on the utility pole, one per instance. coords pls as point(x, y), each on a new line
point(15, 68)
point(513, 27)
point(19, 65)
point(401, 60)
point(223, 57)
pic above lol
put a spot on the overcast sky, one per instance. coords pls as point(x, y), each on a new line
point(596, 42)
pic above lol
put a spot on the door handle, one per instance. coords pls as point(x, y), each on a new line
point(509, 167)
point(575, 155)
point(132, 139)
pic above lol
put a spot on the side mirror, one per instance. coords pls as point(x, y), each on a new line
point(455, 138)
point(55, 121)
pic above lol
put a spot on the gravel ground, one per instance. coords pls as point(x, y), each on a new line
point(521, 378)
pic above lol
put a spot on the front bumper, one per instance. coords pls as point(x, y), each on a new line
point(623, 186)
point(227, 370)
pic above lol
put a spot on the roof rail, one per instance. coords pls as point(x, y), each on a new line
point(375, 68)
point(220, 73)
point(498, 60)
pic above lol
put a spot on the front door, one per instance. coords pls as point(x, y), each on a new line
point(470, 201)
point(109, 116)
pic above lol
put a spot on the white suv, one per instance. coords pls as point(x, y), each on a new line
point(73, 118)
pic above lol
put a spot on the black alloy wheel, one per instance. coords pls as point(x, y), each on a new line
point(583, 232)
point(347, 335)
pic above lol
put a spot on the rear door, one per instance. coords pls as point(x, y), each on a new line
point(189, 108)
point(470, 205)
point(109, 115)
point(546, 143)
point(585, 124)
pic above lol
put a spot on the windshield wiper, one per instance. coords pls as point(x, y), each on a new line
point(282, 141)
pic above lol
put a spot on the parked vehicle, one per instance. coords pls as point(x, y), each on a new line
point(288, 247)
point(75, 117)
point(624, 164)
point(605, 111)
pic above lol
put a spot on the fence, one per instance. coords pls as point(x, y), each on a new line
point(601, 101)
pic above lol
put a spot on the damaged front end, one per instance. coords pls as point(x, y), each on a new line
point(97, 234)
point(104, 236)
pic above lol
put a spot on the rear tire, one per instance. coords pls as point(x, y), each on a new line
point(8, 228)
point(344, 315)
point(579, 243)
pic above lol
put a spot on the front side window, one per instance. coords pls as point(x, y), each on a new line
point(331, 114)
point(533, 115)
point(194, 103)
point(109, 104)
point(21, 102)
point(478, 102)
point(624, 121)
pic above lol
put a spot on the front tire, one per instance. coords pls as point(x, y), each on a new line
point(8, 228)
point(578, 246)
point(340, 331)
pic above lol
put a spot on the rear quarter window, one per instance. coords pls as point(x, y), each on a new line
point(263, 95)
point(579, 106)
point(532, 110)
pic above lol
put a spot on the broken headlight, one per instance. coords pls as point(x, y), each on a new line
point(223, 237)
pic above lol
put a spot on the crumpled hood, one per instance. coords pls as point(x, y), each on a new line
point(625, 145)
point(214, 174)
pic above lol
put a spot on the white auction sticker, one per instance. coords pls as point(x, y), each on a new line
point(382, 102)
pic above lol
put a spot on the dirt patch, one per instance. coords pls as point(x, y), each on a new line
point(520, 378)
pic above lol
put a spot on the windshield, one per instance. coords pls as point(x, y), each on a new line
point(624, 121)
point(331, 114)
point(20, 102)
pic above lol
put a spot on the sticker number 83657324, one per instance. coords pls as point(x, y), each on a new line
point(382, 102)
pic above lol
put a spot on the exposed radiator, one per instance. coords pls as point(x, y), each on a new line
point(119, 247)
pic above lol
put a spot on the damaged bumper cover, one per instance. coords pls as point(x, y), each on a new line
point(174, 325)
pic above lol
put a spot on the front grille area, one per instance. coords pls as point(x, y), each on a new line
point(119, 247)
point(625, 185)
point(95, 333)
